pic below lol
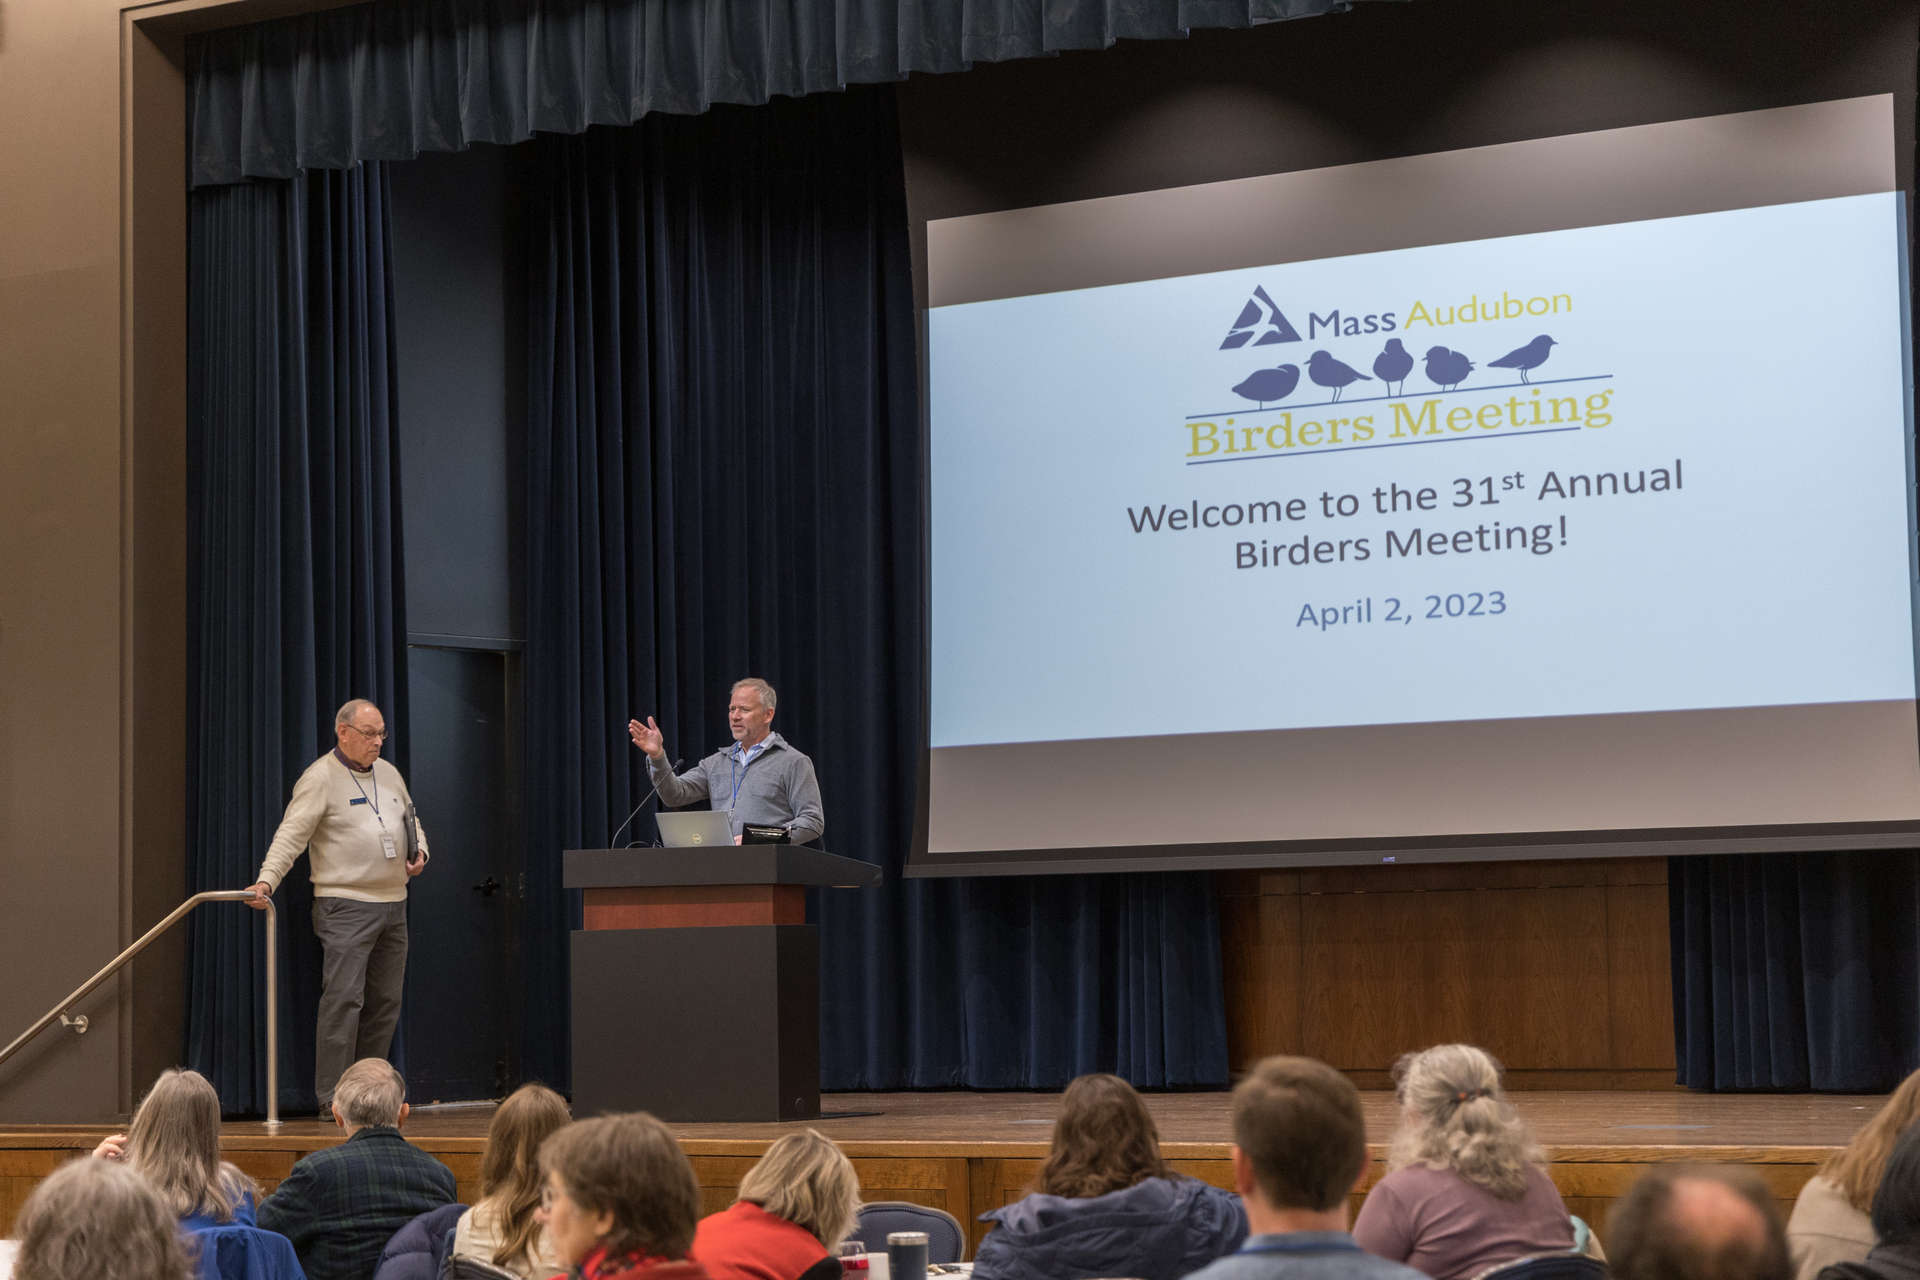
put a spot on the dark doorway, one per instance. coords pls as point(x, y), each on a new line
point(462, 1013)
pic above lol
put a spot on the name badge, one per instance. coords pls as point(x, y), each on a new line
point(361, 800)
point(386, 843)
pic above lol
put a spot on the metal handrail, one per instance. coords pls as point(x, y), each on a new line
point(273, 981)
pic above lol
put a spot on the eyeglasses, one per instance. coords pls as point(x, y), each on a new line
point(378, 735)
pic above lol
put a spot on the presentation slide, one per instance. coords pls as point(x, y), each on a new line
point(1565, 482)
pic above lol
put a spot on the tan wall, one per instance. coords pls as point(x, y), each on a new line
point(92, 526)
point(61, 524)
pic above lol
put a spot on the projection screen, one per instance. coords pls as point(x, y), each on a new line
point(1551, 498)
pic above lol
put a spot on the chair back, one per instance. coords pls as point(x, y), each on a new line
point(234, 1252)
point(457, 1268)
point(946, 1239)
point(1548, 1266)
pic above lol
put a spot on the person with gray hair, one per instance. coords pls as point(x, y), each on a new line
point(1465, 1187)
point(341, 1204)
point(352, 813)
point(759, 780)
point(95, 1218)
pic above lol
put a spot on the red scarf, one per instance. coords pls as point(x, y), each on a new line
point(599, 1266)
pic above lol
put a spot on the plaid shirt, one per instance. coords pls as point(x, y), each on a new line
point(342, 1204)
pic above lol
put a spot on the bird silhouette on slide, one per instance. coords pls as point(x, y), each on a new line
point(1531, 356)
point(1328, 372)
point(1447, 369)
point(1267, 385)
point(1393, 365)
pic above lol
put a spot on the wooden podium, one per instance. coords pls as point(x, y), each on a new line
point(696, 981)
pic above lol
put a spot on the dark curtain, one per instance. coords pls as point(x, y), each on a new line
point(388, 80)
point(725, 478)
point(295, 599)
point(1025, 983)
point(1796, 971)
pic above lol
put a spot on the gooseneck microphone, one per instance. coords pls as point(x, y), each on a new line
point(673, 768)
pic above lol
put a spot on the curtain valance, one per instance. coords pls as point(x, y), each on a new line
point(390, 79)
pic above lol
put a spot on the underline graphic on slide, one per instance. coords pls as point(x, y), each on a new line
point(1431, 395)
point(1387, 444)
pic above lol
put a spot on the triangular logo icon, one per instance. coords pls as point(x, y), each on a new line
point(1261, 324)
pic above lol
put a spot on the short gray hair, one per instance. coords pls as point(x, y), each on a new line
point(370, 1092)
point(349, 709)
point(768, 698)
point(98, 1218)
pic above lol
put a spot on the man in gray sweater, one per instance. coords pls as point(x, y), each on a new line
point(351, 811)
point(760, 779)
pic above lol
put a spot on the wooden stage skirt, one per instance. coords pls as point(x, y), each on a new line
point(970, 1152)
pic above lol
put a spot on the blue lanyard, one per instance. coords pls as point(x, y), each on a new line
point(737, 770)
point(739, 760)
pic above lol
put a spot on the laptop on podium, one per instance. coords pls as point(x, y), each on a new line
point(697, 829)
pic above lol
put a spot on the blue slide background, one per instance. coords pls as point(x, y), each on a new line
point(1763, 348)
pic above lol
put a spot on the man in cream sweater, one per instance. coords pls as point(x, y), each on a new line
point(351, 811)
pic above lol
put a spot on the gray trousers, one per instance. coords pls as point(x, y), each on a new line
point(366, 965)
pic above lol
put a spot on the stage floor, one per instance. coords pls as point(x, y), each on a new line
point(1024, 1119)
point(969, 1152)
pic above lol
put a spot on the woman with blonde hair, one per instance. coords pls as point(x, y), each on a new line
point(92, 1219)
point(501, 1228)
point(793, 1207)
point(1465, 1187)
point(1832, 1219)
point(174, 1143)
point(1106, 1203)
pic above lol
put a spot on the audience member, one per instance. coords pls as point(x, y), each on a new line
point(174, 1143)
point(1465, 1189)
point(1681, 1222)
point(620, 1197)
point(501, 1228)
point(1896, 1220)
point(1830, 1220)
point(421, 1249)
point(97, 1220)
point(1300, 1147)
point(793, 1207)
point(341, 1204)
point(1106, 1204)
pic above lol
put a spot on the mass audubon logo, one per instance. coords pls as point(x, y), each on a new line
point(1260, 316)
point(1408, 363)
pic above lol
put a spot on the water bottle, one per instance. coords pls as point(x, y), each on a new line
point(907, 1255)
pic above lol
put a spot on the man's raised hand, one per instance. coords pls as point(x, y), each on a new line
point(648, 737)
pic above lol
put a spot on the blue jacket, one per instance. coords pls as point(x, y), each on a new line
point(240, 1252)
point(417, 1249)
point(1157, 1229)
point(243, 1216)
